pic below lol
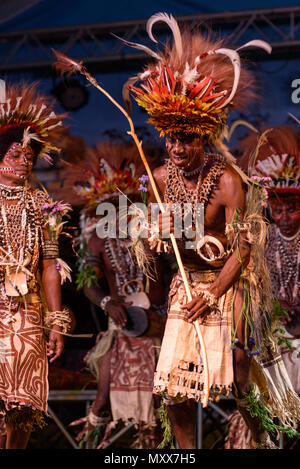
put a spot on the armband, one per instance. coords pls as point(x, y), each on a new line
point(58, 318)
point(50, 249)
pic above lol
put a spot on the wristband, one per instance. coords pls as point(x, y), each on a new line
point(104, 302)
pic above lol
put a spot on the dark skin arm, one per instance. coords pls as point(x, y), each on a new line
point(230, 196)
point(52, 288)
point(115, 308)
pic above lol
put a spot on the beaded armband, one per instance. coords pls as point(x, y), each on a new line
point(58, 318)
point(50, 249)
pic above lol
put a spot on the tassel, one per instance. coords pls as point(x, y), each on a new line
point(66, 65)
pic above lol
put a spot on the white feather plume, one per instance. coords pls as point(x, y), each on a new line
point(236, 63)
point(43, 106)
point(136, 45)
point(190, 75)
point(236, 124)
point(19, 99)
point(106, 168)
point(173, 25)
point(28, 136)
point(257, 43)
point(54, 126)
point(51, 116)
point(7, 107)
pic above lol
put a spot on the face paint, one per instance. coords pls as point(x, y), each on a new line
point(18, 161)
point(184, 151)
point(286, 215)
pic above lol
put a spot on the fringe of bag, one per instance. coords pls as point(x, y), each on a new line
point(187, 383)
point(276, 391)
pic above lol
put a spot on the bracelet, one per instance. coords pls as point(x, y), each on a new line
point(209, 297)
point(58, 318)
point(50, 249)
point(94, 420)
point(104, 302)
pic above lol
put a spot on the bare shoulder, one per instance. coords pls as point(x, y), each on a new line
point(160, 175)
point(230, 176)
point(231, 185)
point(231, 180)
point(160, 172)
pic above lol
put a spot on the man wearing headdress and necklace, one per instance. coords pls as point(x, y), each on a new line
point(277, 164)
point(187, 92)
point(124, 356)
point(28, 243)
point(271, 157)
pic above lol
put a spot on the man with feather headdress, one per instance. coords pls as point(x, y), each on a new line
point(276, 151)
point(30, 298)
point(188, 90)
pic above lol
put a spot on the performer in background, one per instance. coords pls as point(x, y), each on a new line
point(277, 166)
point(188, 91)
point(125, 355)
point(29, 264)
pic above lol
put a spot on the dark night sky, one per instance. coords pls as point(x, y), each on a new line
point(99, 115)
point(47, 13)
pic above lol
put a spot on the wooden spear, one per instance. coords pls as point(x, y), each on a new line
point(69, 66)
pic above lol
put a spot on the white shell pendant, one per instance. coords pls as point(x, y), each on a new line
point(15, 283)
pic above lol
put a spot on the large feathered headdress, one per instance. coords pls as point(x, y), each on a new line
point(277, 156)
point(107, 170)
point(27, 117)
point(192, 84)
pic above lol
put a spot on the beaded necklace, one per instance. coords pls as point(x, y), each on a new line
point(192, 196)
point(124, 267)
point(20, 229)
point(176, 191)
point(283, 259)
point(11, 192)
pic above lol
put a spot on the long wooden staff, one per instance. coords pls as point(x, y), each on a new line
point(67, 65)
